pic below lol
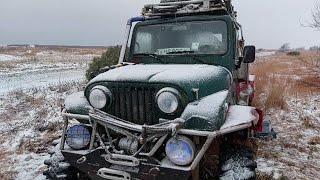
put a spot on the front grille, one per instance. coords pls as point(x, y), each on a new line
point(134, 103)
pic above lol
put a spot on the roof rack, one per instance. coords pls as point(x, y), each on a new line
point(183, 7)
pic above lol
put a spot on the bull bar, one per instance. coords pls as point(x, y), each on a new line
point(99, 117)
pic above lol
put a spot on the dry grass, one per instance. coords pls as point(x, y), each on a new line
point(36, 145)
point(275, 97)
point(6, 65)
point(47, 56)
point(314, 140)
point(4, 173)
point(7, 175)
point(287, 88)
point(263, 176)
point(280, 76)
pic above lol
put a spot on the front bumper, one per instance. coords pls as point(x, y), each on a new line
point(98, 165)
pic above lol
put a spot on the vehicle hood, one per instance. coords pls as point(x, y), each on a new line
point(207, 78)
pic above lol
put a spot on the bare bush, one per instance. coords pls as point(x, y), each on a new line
point(285, 47)
point(316, 17)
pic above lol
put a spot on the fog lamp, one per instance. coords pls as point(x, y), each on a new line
point(78, 136)
point(180, 150)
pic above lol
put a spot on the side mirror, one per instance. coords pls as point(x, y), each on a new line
point(249, 54)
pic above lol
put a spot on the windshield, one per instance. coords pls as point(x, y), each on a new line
point(200, 37)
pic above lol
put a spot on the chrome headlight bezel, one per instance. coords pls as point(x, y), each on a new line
point(170, 95)
point(100, 97)
point(180, 150)
point(78, 136)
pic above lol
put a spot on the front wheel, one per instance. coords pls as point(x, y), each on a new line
point(237, 163)
point(58, 169)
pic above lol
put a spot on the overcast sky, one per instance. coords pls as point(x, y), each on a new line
point(267, 23)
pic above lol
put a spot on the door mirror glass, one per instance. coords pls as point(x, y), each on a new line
point(249, 54)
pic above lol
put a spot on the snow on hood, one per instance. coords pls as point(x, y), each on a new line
point(207, 78)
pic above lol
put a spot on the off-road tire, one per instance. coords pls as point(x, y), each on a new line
point(237, 163)
point(57, 169)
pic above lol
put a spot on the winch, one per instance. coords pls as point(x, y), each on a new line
point(128, 145)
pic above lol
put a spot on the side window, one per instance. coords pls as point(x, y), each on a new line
point(143, 43)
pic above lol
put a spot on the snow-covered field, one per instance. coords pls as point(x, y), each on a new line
point(265, 53)
point(33, 88)
point(33, 85)
point(34, 68)
point(5, 57)
point(37, 79)
point(30, 122)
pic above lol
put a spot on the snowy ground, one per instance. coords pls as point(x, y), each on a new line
point(32, 68)
point(41, 78)
point(33, 85)
point(5, 57)
point(295, 154)
point(265, 53)
point(30, 122)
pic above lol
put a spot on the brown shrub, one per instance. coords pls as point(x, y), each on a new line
point(33, 145)
point(306, 121)
point(7, 175)
point(314, 140)
point(275, 97)
point(264, 176)
point(280, 76)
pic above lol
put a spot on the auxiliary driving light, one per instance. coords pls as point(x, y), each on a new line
point(180, 150)
point(78, 136)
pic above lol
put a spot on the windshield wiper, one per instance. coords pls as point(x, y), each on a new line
point(181, 52)
point(194, 57)
point(154, 56)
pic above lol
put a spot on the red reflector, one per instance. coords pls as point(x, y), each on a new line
point(259, 125)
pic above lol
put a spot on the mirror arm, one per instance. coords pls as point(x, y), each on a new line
point(239, 62)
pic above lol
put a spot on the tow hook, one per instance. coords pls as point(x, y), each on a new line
point(154, 171)
point(82, 160)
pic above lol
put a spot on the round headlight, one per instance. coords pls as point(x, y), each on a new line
point(78, 136)
point(99, 97)
point(168, 100)
point(180, 150)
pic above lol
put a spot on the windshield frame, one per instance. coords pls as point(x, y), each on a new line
point(170, 21)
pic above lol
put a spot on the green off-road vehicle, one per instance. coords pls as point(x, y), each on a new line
point(177, 106)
